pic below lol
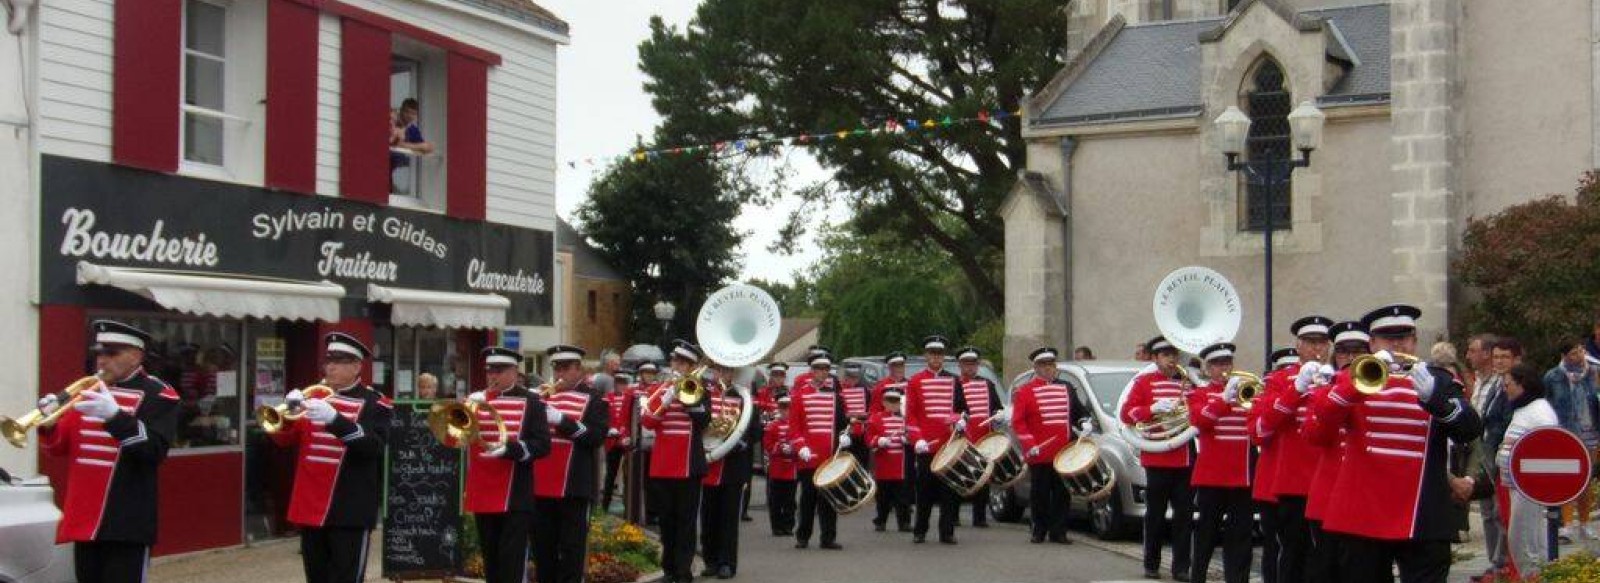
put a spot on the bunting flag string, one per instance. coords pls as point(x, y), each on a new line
point(749, 144)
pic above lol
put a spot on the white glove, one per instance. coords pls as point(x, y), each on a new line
point(499, 451)
point(1325, 374)
point(786, 449)
point(478, 397)
point(1384, 355)
point(1230, 393)
point(961, 425)
point(1034, 451)
point(294, 398)
point(612, 432)
point(552, 415)
point(1001, 418)
point(1307, 377)
point(319, 411)
point(805, 454)
point(1163, 406)
point(1086, 427)
point(844, 440)
point(883, 442)
point(1422, 381)
point(670, 397)
point(49, 403)
point(97, 403)
point(627, 441)
point(922, 446)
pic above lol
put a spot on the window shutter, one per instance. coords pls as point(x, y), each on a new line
point(291, 148)
point(467, 160)
point(148, 47)
point(364, 112)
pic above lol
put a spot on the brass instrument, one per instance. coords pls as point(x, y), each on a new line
point(1370, 373)
point(1250, 387)
point(547, 390)
point(275, 419)
point(455, 423)
point(691, 390)
point(16, 430)
point(1162, 426)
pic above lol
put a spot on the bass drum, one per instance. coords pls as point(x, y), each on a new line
point(961, 466)
point(845, 483)
point(1007, 461)
point(1085, 473)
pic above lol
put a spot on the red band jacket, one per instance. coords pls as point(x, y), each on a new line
point(112, 484)
point(979, 399)
point(780, 466)
point(1297, 458)
point(339, 473)
point(856, 397)
point(679, 453)
point(504, 483)
point(816, 417)
point(1224, 457)
point(620, 405)
point(888, 461)
point(1266, 438)
point(1145, 390)
point(570, 469)
point(1331, 439)
point(884, 385)
point(1045, 413)
point(930, 405)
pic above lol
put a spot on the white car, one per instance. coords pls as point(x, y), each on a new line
point(28, 549)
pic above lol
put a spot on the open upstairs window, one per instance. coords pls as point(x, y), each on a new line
point(417, 96)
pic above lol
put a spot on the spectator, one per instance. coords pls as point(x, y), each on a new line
point(1524, 519)
point(1140, 353)
point(1479, 365)
point(1443, 355)
point(1083, 353)
point(427, 386)
point(406, 137)
point(1572, 393)
point(1489, 398)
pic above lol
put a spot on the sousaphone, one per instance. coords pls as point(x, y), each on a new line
point(1194, 307)
point(737, 326)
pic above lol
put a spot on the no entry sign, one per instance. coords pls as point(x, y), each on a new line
point(1550, 466)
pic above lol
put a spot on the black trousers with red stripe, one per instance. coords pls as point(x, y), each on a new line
point(1373, 561)
point(560, 539)
point(110, 561)
point(678, 505)
point(503, 538)
point(1225, 517)
point(334, 554)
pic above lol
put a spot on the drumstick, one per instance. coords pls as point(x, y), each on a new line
point(1047, 442)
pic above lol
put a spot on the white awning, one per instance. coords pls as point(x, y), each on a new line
point(222, 295)
point(420, 307)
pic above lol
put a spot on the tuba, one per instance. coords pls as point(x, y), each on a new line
point(16, 430)
point(1194, 307)
point(737, 326)
point(274, 419)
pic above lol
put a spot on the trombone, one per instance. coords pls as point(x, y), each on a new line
point(16, 430)
point(275, 419)
point(1370, 374)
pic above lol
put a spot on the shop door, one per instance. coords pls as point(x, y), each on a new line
point(273, 347)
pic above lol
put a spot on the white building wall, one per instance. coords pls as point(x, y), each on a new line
point(18, 232)
point(328, 105)
point(75, 78)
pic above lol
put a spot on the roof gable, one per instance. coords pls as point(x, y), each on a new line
point(524, 11)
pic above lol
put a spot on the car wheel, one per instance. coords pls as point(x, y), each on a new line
point(1105, 517)
point(1003, 505)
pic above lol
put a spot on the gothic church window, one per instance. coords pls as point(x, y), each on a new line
point(1267, 102)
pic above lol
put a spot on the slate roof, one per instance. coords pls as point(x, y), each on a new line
point(1153, 70)
point(586, 261)
point(523, 10)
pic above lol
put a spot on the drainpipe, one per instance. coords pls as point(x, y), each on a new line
point(1068, 144)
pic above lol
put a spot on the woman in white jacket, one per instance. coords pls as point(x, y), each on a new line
point(1526, 526)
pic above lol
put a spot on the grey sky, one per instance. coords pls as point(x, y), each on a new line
point(602, 107)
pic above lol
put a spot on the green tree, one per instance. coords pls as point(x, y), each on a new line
point(666, 223)
point(1534, 267)
point(890, 313)
point(763, 68)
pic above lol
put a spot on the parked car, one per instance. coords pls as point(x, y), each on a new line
point(28, 549)
point(1099, 384)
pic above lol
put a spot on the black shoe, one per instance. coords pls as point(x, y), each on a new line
point(1061, 540)
point(746, 519)
point(947, 540)
point(1152, 574)
point(1181, 576)
point(725, 572)
point(832, 546)
point(802, 544)
point(709, 571)
point(1036, 539)
point(919, 539)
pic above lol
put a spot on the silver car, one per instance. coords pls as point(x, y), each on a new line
point(1099, 384)
point(28, 549)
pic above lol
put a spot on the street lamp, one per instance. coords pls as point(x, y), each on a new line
point(664, 312)
point(1233, 136)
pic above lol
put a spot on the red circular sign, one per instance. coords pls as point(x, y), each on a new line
point(1550, 465)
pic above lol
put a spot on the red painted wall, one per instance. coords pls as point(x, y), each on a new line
point(291, 140)
point(201, 503)
point(144, 89)
point(364, 112)
point(468, 136)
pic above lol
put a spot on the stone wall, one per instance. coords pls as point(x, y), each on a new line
point(1423, 170)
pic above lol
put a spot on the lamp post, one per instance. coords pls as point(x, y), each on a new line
point(1233, 136)
point(664, 312)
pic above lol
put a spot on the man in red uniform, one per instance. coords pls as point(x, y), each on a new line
point(817, 427)
point(1285, 361)
point(857, 398)
point(767, 396)
point(1297, 459)
point(781, 470)
point(619, 436)
point(114, 439)
point(978, 400)
point(723, 488)
point(1159, 389)
point(887, 432)
point(931, 418)
point(564, 485)
point(1350, 340)
point(499, 490)
point(339, 476)
point(677, 463)
point(895, 362)
point(1045, 411)
point(1221, 477)
point(1392, 500)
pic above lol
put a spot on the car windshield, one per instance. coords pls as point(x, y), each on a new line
point(1108, 387)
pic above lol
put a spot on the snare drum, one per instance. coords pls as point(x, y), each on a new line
point(1007, 461)
point(961, 466)
point(845, 483)
point(1085, 473)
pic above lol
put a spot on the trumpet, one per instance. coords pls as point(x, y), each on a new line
point(1250, 387)
point(16, 430)
point(690, 388)
point(1370, 373)
point(275, 419)
point(455, 423)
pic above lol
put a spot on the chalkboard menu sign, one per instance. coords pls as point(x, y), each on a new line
point(422, 518)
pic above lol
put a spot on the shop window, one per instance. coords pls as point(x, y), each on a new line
point(200, 360)
point(418, 357)
point(417, 117)
point(222, 87)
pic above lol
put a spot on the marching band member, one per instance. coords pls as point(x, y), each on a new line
point(1221, 477)
point(781, 470)
point(805, 379)
point(887, 432)
point(722, 490)
point(1297, 459)
point(1044, 413)
point(1392, 500)
point(856, 398)
point(1350, 340)
point(1285, 361)
point(978, 401)
point(1158, 390)
point(896, 380)
point(499, 489)
point(115, 437)
point(339, 474)
point(619, 439)
point(677, 463)
point(767, 396)
point(817, 426)
point(564, 486)
point(930, 417)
